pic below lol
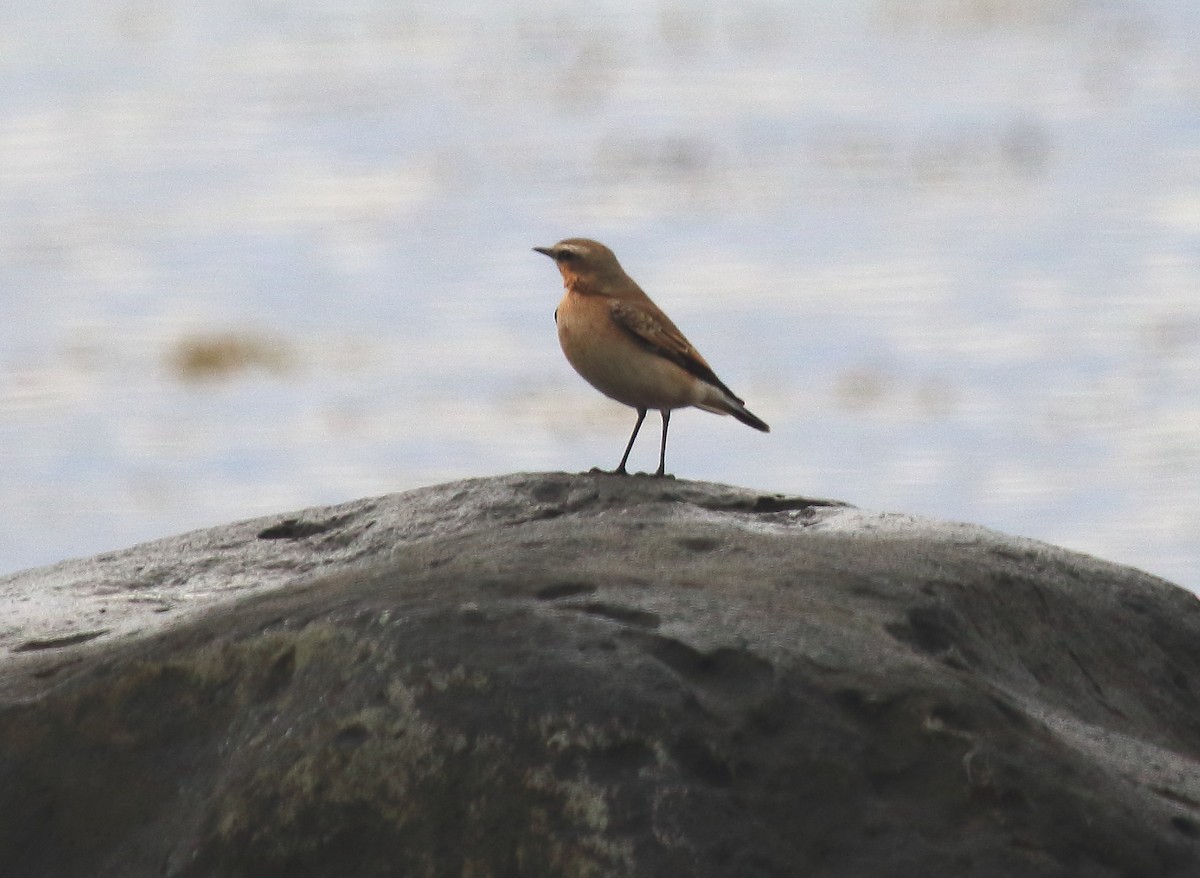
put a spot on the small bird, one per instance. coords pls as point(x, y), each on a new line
point(627, 348)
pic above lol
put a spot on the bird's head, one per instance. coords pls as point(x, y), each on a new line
point(586, 265)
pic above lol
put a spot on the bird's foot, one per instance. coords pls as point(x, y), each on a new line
point(621, 471)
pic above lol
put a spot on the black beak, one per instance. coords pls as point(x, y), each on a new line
point(548, 251)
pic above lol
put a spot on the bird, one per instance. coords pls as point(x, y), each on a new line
point(623, 344)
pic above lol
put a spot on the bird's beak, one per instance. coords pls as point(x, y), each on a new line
point(548, 251)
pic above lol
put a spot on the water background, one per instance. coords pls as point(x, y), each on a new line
point(260, 256)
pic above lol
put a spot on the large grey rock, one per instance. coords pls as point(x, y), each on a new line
point(552, 675)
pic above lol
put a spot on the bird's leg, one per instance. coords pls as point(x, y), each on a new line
point(662, 448)
point(620, 470)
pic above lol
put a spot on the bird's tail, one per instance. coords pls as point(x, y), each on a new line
point(748, 418)
point(728, 404)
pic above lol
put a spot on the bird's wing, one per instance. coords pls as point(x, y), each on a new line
point(659, 336)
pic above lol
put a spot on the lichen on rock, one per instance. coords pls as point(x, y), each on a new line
point(551, 675)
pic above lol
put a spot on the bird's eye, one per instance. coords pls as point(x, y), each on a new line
point(565, 255)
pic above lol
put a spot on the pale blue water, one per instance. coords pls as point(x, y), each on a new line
point(950, 250)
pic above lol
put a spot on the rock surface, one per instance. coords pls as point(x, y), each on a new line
point(553, 675)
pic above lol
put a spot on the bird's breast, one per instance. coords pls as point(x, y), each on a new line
point(608, 359)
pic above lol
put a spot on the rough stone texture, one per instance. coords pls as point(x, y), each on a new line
point(552, 675)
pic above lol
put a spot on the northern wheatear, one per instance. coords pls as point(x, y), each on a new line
point(627, 348)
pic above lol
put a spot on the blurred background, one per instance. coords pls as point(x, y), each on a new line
point(256, 256)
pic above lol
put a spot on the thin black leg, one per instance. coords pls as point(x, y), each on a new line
point(662, 449)
point(620, 470)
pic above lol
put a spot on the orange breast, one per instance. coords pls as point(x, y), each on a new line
point(608, 359)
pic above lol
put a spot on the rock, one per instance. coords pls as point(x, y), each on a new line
point(553, 675)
